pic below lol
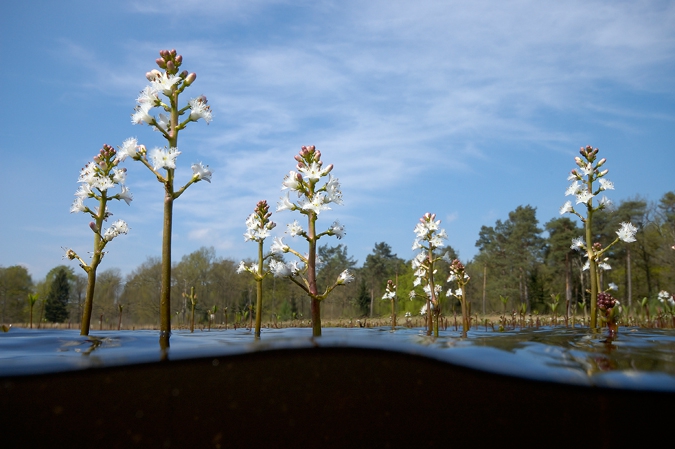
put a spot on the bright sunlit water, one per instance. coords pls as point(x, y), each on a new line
point(641, 359)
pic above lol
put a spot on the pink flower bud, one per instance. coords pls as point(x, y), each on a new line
point(170, 67)
point(179, 60)
point(173, 53)
point(161, 63)
point(190, 78)
point(93, 227)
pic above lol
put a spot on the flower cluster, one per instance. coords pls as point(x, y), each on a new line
point(428, 238)
point(170, 84)
point(96, 179)
point(310, 170)
point(458, 274)
point(390, 291)
point(606, 301)
point(99, 176)
point(666, 298)
point(258, 224)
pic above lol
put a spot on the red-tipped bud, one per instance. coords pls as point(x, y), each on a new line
point(164, 54)
point(93, 227)
point(179, 60)
point(190, 78)
point(170, 67)
point(173, 53)
point(601, 162)
point(161, 63)
point(328, 169)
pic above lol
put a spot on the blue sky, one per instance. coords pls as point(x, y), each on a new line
point(465, 109)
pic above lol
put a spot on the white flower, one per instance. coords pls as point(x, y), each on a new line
point(345, 277)
point(333, 192)
point(199, 109)
point(142, 114)
point(604, 202)
point(664, 296)
point(436, 241)
point(291, 181)
point(567, 207)
point(84, 191)
point(285, 204)
point(119, 175)
point(604, 266)
point(201, 172)
point(578, 244)
point(613, 286)
point(416, 245)
point(572, 189)
point(241, 268)
point(606, 184)
point(311, 172)
point(337, 230)
point(584, 196)
point(423, 310)
point(125, 195)
point(278, 246)
point(121, 227)
point(102, 183)
point(164, 82)
point(129, 148)
point(627, 232)
point(587, 169)
point(317, 204)
point(88, 174)
point(294, 228)
point(117, 228)
point(280, 269)
point(148, 95)
point(161, 158)
point(78, 205)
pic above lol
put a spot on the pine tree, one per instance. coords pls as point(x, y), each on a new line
point(56, 308)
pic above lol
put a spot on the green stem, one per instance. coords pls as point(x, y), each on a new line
point(165, 292)
point(311, 276)
point(99, 243)
point(259, 291)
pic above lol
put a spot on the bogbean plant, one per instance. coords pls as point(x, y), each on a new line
point(311, 200)
point(585, 190)
point(390, 295)
point(166, 85)
point(258, 227)
point(97, 180)
point(461, 278)
point(429, 238)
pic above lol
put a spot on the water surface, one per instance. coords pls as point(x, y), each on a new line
point(642, 359)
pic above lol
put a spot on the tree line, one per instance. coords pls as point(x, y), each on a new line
point(520, 265)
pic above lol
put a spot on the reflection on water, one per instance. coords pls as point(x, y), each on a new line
point(638, 359)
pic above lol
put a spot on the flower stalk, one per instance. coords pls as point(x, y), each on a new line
point(458, 274)
point(97, 178)
point(312, 199)
point(168, 83)
point(429, 237)
point(584, 189)
point(258, 226)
